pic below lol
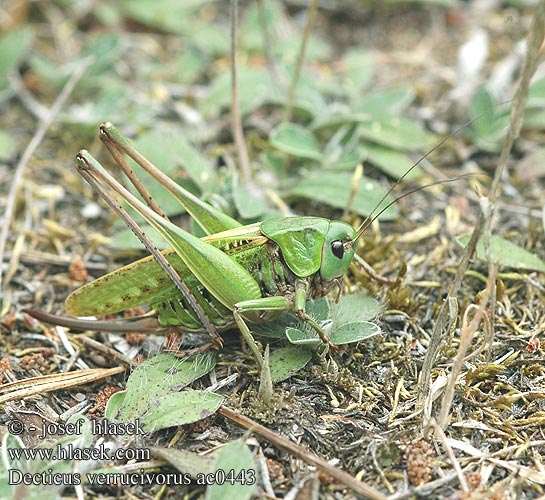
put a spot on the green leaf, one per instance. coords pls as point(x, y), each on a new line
point(303, 337)
point(250, 203)
point(335, 118)
point(333, 188)
point(347, 160)
point(384, 102)
point(308, 101)
point(445, 3)
point(169, 15)
point(169, 150)
point(251, 27)
point(342, 151)
point(286, 49)
point(295, 140)
point(158, 377)
point(398, 133)
point(536, 92)
point(180, 408)
point(359, 66)
point(353, 332)
point(126, 240)
point(391, 162)
point(7, 145)
point(105, 49)
point(254, 88)
point(187, 462)
point(355, 307)
point(484, 103)
point(534, 118)
point(107, 15)
point(235, 475)
point(114, 405)
point(45, 69)
point(209, 39)
point(111, 100)
point(190, 63)
point(277, 327)
point(287, 361)
point(490, 124)
point(506, 254)
point(13, 45)
point(11, 442)
point(318, 309)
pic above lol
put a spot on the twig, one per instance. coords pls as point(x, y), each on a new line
point(112, 354)
point(516, 448)
point(300, 58)
point(424, 491)
point(533, 47)
point(265, 477)
point(534, 42)
point(236, 122)
point(356, 179)
point(267, 43)
point(450, 453)
point(54, 382)
point(466, 336)
point(299, 452)
point(28, 100)
point(29, 151)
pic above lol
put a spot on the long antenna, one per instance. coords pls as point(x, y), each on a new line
point(368, 221)
point(371, 217)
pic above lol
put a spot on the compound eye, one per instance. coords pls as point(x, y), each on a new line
point(337, 248)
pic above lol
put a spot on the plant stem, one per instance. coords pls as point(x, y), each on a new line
point(236, 122)
point(535, 38)
point(267, 43)
point(300, 59)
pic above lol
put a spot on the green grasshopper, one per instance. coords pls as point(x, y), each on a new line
point(234, 275)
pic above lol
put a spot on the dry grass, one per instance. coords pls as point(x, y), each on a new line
point(447, 403)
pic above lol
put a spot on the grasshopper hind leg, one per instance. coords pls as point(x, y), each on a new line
point(138, 324)
point(249, 308)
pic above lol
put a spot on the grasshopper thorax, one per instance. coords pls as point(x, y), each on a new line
point(312, 244)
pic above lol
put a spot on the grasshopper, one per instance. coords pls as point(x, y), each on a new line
point(234, 275)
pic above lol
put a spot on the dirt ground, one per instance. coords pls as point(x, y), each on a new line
point(365, 409)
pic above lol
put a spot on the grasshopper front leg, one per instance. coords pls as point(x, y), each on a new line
point(301, 296)
point(281, 304)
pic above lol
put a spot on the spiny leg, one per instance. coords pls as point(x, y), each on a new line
point(114, 150)
point(276, 303)
point(210, 219)
point(301, 295)
point(141, 324)
point(92, 174)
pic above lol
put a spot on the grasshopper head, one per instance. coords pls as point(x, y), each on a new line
point(338, 250)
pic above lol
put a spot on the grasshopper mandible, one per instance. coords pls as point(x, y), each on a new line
point(234, 275)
